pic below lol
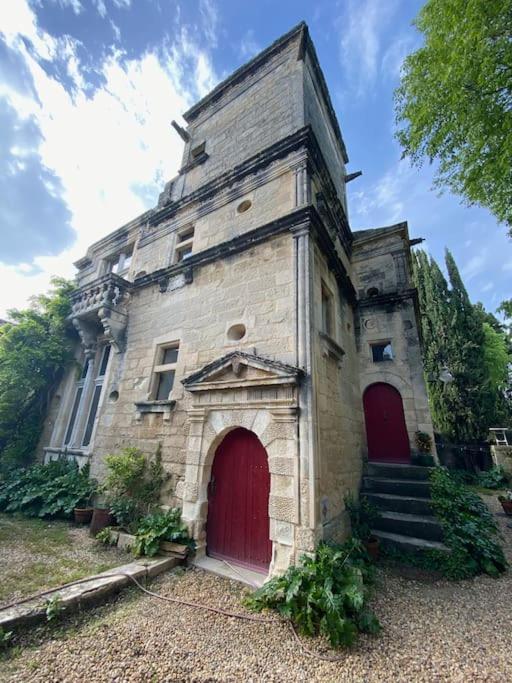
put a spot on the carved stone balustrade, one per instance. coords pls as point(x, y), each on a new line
point(101, 308)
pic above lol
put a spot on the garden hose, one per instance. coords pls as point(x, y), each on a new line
point(186, 603)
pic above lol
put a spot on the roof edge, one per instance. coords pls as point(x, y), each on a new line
point(240, 73)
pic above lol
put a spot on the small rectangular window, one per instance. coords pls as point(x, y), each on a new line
point(165, 372)
point(104, 361)
point(184, 253)
point(327, 311)
point(170, 355)
point(165, 385)
point(121, 263)
point(198, 150)
point(187, 234)
point(382, 352)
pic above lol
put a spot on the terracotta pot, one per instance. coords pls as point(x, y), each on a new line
point(373, 547)
point(82, 515)
point(101, 518)
point(507, 506)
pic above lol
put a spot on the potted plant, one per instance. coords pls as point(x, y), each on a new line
point(85, 490)
point(362, 515)
point(424, 456)
point(506, 502)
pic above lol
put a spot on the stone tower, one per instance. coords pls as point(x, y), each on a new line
point(239, 323)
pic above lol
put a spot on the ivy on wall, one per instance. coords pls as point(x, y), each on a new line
point(35, 348)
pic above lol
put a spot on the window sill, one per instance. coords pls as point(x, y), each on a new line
point(330, 348)
point(165, 407)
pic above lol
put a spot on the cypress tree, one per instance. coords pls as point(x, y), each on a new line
point(454, 336)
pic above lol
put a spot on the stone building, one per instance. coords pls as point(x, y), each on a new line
point(243, 326)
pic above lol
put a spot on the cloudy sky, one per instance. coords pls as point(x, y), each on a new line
point(88, 89)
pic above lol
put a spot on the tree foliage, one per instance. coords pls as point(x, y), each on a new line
point(458, 335)
point(34, 350)
point(454, 103)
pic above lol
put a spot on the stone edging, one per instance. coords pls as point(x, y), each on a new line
point(97, 589)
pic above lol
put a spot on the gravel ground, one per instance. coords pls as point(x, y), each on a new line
point(432, 631)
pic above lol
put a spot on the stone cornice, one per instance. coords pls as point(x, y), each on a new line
point(389, 299)
point(304, 217)
point(305, 139)
point(278, 150)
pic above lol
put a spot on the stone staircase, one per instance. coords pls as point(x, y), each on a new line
point(402, 494)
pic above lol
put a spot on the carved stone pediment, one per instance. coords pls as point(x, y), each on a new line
point(239, 369)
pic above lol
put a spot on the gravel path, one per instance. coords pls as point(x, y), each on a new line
point(432, 631)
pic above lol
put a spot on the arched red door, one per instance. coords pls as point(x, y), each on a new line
point(385, 424)
point(238, 524)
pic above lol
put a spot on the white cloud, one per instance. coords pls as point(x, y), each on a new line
point(104, 146)
point(361, 27)
point(487, 287)
point(395, 55)
point(475, 265)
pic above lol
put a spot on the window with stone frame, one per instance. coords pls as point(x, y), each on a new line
point(96, 394)
point(165, 371)
point(77, 400)
point(327, 311)
point(121, 262)
point(382, 351)
point(184, 241)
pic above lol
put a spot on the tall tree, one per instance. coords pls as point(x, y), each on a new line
point(454, 103)
point(457, 335)
point(34, 350)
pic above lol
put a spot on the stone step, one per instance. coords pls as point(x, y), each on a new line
point(399, 487)
point(417, 526)
point(394, 503)
point(408, 543)
point(394, 471)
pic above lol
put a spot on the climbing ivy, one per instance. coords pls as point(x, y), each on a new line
point(34, 350)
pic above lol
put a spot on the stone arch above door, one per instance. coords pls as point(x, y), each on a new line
point(260, 395)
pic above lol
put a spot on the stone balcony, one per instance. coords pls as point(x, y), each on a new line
point(101, 308)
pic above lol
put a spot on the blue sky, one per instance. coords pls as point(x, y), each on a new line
point(88, 89)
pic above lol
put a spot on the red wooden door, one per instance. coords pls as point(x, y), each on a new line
point(385, 424)
point(238, 524)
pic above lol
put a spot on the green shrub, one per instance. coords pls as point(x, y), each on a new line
point(494, 478)
point(51, 490)
point(133, 485)
point(157, 527)
point(327, 594)
point(469, 529)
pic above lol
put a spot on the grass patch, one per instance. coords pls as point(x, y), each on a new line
point(36, 554)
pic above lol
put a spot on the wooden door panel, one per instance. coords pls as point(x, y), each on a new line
point(238, 522)
point(386, 430)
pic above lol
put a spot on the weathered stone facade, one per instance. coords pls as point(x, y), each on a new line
point(248, 274)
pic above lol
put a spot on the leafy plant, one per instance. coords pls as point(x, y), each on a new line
point(5, 638)
point(126, 512)
point(160, 526)
point(53, 607)
point(105, 536)
point(494, 478)
point(469, 529)
point(133, 485)
point(423, 442)
point(363, 515)
point(51, 490)
point(326, 594)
